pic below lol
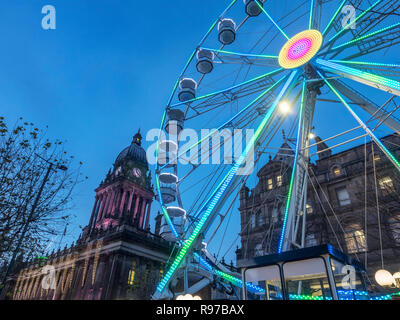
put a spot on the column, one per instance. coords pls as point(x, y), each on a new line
point(136, 207)
point(148, 214)
point(111, 202)
point(115, 201)
point(92, 217)
point(103, 204)
point(121, 207)
point(128, 209)
point(142, 212)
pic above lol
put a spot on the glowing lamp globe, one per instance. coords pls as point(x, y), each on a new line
point(384, 278)
point(188, 297)
point(300, 49)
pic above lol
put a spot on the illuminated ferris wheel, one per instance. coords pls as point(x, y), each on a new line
point(257, 61)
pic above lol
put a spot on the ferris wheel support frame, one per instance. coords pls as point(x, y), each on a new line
point(295, 212)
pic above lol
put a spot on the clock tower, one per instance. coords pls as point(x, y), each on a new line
point(126, 193)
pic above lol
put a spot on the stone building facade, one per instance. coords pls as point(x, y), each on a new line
point(347, 193)
point(116, 256)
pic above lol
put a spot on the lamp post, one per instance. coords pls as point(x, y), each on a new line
point(52, 166)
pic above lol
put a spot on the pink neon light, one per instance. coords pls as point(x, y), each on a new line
point(299, 49)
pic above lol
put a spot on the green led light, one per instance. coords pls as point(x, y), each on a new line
point(340, 69)
point(349, 43)
point(339, 9)
point(372, 64)
point(354, 21)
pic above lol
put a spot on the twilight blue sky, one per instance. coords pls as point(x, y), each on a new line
point(106, 70)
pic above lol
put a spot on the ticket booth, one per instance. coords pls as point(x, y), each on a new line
point(314, 273)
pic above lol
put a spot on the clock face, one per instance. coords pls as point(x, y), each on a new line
point(137, 172)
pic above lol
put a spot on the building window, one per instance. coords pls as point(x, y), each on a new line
point(131, 275)
point(343, 197)
point(259, 219)
point(252, 221)
point(394, 227)
point(355, 241)
point(386, 185)
point(336, 171)
point(279, 181)
point(258, 251)
point(310, 240)
point(270, 184)
point(275, 214)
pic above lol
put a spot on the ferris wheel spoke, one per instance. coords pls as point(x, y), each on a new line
point(231, 89)
point(374, 38)
point(272, 20)
point(335, 15)
point(384, 69)
point(390, 156)
point(249, 83)
point(242, 54)
point(229, 122)
point(370, 79)
point(379, 113)
point(208, 207)
point(343, 31)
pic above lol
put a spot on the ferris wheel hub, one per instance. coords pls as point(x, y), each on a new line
point(300, 49)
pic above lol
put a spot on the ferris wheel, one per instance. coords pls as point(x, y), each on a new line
point(256, 62)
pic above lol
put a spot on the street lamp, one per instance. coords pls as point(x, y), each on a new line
point(54, 167)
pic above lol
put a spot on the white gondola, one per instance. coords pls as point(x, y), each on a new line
point(175, 120)
point(205, 61)
point(188, 88)
point(168, 192)
point(167, 153)
point(226, 31)
point(165, 231)
point(252, 8)
point(176, 212)
point(168, 178)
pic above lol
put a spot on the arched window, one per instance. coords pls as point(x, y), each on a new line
point(336, 170)
point(252, 221)
point(259, 218)
point(394, 227)
point(355, 239)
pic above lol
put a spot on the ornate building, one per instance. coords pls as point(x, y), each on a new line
point(116, 256)
point(348, 193)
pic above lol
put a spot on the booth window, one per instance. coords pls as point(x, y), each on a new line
point(269, 279)
point(348, 281)
point(307, 280)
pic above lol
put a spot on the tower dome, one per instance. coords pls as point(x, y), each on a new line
point(134, 152)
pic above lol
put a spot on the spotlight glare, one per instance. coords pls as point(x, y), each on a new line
point(284, 107)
